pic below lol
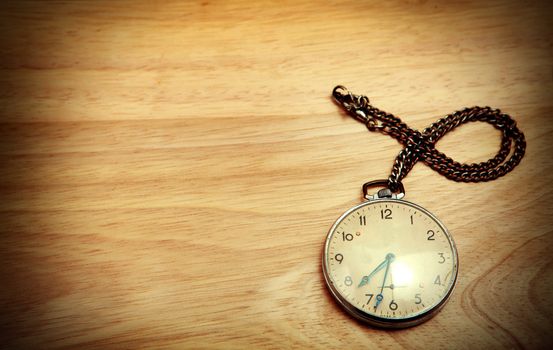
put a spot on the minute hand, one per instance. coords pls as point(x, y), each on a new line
point(389, 259)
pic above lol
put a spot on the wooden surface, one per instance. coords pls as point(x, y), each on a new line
point(170, 170)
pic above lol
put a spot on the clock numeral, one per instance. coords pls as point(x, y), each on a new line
point(418, 299)
point(370, 298)
point(393, 306)
point(347, 236)
point(348, 281)
point(438, 281)
point(442, 258)
point(411, 219)
point(430, 234)
point(339, 258)
point(386, 214)
point(362, 220)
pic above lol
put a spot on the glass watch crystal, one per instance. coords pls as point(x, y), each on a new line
point(390, 262)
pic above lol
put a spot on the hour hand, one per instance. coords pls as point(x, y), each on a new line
point(365, 280)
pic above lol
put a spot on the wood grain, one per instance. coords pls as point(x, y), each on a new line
point(170, 169)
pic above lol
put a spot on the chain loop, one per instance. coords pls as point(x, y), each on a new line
point(420, 146)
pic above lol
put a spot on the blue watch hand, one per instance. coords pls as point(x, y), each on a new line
point(389, 258)
point(365, 280)
point(379, 298)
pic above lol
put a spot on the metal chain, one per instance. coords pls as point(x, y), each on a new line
point(420, 145)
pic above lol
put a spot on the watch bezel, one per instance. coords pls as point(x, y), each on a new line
point(382, 321)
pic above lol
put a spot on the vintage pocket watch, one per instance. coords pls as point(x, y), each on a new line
point(390, 262)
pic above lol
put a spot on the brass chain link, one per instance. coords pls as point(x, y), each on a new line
point(420, 146)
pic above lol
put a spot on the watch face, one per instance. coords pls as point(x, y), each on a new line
point(390, 262)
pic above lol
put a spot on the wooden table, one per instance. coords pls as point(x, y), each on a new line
point(170, 170)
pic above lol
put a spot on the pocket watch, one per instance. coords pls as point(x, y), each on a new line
point(390, 262)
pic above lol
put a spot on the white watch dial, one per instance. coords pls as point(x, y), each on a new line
point(390, 262)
